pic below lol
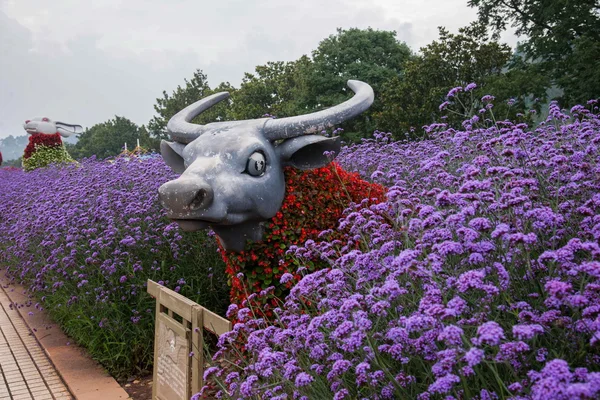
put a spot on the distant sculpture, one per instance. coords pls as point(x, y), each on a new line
point(232, 172)
point(45, 143)
point(49, 127)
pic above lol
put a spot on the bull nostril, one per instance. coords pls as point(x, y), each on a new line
point(200, 199)
point(184, 196)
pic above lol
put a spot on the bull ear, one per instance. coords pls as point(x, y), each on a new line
point(171, 152)
point(307, 152)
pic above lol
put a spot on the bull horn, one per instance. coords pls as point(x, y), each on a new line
point(289, 127)
point(180, 127)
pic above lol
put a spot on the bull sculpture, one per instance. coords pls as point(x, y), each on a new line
point(232, 176)
point(49, 127)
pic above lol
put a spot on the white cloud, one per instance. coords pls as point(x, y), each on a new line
point(87, 61)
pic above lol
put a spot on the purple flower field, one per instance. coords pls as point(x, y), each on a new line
point(479, 277)
point(85, 238)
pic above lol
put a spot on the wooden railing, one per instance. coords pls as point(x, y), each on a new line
point(179, 343)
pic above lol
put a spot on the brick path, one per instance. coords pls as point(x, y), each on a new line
point(26, 372)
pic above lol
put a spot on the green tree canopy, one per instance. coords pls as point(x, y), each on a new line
point(194, 89)
point(108, 138)
point(275, 88)
point(298, 87)
point(368, 55)
point(413, 100)
point(12, 146)
point(563, 38)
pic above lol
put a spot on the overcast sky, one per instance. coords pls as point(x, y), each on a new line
point(86, 61)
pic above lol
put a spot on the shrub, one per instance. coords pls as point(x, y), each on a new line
point(45, 156)
point(314, 202)
point(43, 150)
point(85, 239)
point(479, 277)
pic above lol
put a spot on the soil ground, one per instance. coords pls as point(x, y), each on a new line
point(139, 388)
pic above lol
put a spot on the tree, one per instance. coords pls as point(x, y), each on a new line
point(108, 138)
point(299, 87)
point(368, 55)
point(13, 146)
point(17, 162)
point(195, 89)
point(275, 89)
point(563, 38)
point(413, 100)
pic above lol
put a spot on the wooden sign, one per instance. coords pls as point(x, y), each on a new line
point(172, 370)
point(178, 346)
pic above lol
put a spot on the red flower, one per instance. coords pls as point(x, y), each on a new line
point(314, 201)
point(41, 139)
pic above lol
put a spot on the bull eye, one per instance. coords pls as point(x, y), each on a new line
point(257, 164)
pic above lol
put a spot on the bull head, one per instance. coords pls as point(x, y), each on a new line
point(232, 172)
point(49, 127)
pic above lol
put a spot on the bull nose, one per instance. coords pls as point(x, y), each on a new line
point(184, 195)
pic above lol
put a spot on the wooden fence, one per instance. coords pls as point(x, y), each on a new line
point(180, 323)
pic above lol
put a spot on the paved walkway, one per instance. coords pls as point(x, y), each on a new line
point(26, 371)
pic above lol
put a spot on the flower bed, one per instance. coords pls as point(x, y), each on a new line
point(43, 150)
point(85, 239)
point(314, 202)
point(479, 277)
point(41, 139)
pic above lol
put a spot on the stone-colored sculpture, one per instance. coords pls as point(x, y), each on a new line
point(232, 172)
point(45, 144)
point(49, 127)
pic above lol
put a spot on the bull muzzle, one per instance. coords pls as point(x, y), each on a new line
point(185, 198)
